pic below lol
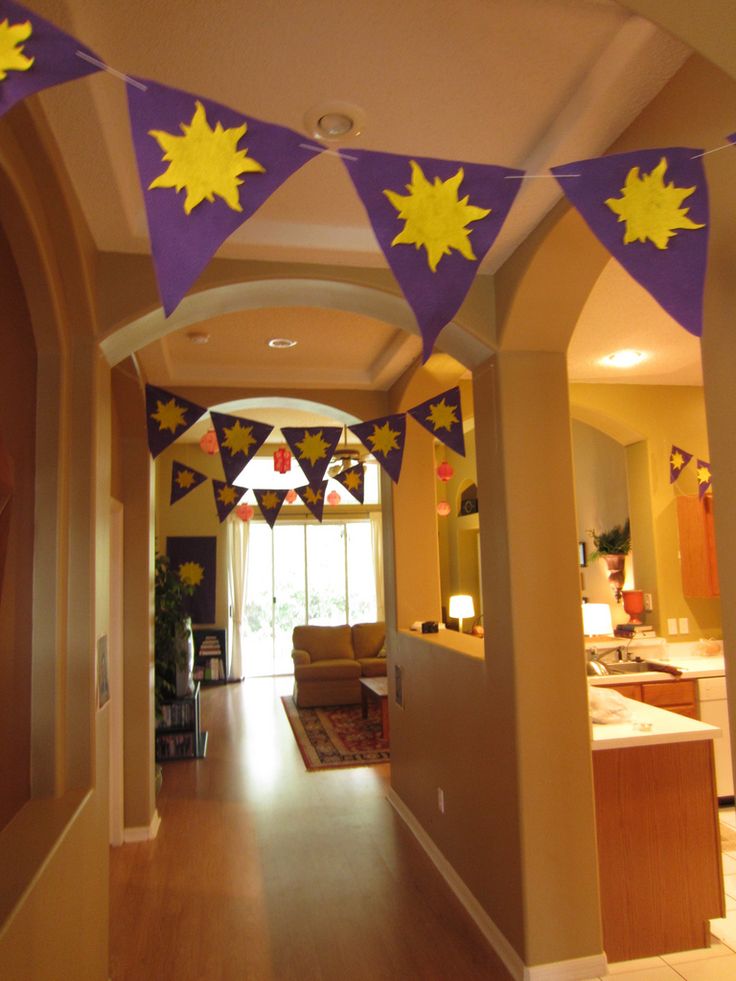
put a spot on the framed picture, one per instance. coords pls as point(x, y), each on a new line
point(582, 558)
point(103, 677)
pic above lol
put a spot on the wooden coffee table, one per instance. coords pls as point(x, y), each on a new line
point(376, 689)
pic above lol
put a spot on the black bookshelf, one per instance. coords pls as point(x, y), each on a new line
point(210, 655)
point(179, 734)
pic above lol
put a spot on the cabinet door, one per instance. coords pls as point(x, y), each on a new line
point(630, 691)
point(676, 696)
point(697, 545)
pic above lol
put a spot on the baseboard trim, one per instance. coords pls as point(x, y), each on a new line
point(579, 969)
point(146, 833)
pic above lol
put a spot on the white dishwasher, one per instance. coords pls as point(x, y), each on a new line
point(714, 710)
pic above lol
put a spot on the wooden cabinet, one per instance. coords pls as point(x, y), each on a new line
point(678, 695)
point(178, 732)
point(697, 545)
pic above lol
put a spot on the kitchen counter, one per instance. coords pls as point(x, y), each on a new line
point(649, 726)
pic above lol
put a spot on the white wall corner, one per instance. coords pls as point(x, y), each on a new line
point(146, 833)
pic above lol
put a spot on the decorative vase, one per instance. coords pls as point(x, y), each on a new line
point(615, 565)
point(184, 660)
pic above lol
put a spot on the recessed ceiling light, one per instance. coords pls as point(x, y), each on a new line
point(624, 359)
point(198, 337)
point(280, 342)
point(332, 121)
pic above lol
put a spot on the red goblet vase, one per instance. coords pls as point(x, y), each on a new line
point(633, 604)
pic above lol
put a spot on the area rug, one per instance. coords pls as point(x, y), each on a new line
point(337, 736)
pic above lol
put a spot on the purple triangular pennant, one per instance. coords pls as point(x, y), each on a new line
point(731, 138)
point(477, 198)
point(239, 440)
point(182, 244)
point(705, 477)
point(226, 497)
point(443, 417)
point(43, 55)
point(679, 459)
point(167, 417)
point(352, 480)
point(183, 480)
point(384, 438)
point(270, 502)
point(649, 208)
point(314, 497)
point(312, 447)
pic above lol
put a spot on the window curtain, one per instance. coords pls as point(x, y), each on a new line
point(237, 554)
point(377, 542)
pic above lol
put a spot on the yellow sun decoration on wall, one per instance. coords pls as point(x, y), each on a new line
point(652, 209)
point(239, 439)
point(704, 475)
point(206, 161)
point(435, 218)
point(169, 415)
point(12, 37)
point(352, 480)
point(227, 495)
point(312, 496)
point(185, 478)
point(677, 461)
point(442, 416)
point(313, 447)
point(191, 573)
point(270, 500)
point(384, 439)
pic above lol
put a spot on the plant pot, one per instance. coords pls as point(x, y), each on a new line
point(615, 565)
point(185, 661)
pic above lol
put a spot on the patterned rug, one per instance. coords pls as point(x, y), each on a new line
point(337, 736)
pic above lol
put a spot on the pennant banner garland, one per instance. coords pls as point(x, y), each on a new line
point(239, 440)
point(679, 459)
point(435, 220)
point(314, 498)
point(443, 417)
point(183, 480)
point(705, 477)
point(226, 163)
point(270, 503)
point(312, 448)
point(384, 438)
point(226, 497)
point(352, 480)
point(35, 55)
point(649, 208)
point(167, 417)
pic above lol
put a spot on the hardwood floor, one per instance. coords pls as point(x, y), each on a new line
point(263, 871)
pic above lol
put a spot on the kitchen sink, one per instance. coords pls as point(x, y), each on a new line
point(629, 667)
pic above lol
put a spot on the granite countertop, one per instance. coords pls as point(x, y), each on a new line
point(648, 725)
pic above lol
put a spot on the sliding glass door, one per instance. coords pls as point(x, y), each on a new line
point(304, 573)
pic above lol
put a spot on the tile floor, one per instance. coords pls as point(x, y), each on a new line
point(715, 963)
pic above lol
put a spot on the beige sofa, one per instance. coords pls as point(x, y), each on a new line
point(330, 661)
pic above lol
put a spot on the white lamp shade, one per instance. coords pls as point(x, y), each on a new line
point(597, 619)
point(461, 606)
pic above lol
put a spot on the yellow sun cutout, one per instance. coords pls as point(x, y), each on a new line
point(435, 218)
point(352, 480)
point(205, 161)
point(313, 447)
point(228, 495)
point(12, 37)
point(191, 573)
point(312, 496)
point(384, 439)
point(677, 461)
point(169, 415)
point(652, 209)
point(270, 500)
point(185, 478)
point(704, 475)
point(239, 438)
point(442, 416)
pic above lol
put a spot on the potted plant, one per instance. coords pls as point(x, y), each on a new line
point(173, 645)
point(613, 546)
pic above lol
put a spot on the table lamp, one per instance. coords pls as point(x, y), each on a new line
point(597, 619)
point(461, 606)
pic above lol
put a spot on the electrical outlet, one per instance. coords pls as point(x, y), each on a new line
point(683, 625)
point(648, 602)
point(440, 800)
point(672, 626)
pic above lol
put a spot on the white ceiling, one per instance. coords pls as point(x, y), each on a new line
point(523, 83)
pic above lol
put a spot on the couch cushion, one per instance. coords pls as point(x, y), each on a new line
point(334, 669)
point(373, 667)
point(324, 643)
point(368, 638)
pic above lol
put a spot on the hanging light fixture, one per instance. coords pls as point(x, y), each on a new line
point(445, 471)
point(333, 498)
point(282, 460)
point(244, 511)
point(443, 509)
point(208, 443)
point(290, 496)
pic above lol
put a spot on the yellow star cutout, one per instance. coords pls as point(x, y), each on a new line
point(442, 416)
point(704, 475)
point(228, 495)
point(239, 438)
point(191, 573)
point(205, 161)
point(677, 461)
point(650, 208)
point(313, 447)
point(169, 415)
point(435, 217)
point(185, 478)
point(270, 500)
point(352, 480)
point(12, 37)
point(384, 439)
point(312, 496)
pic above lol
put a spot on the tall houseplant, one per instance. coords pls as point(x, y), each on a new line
point(613, 546)
point(173, 632)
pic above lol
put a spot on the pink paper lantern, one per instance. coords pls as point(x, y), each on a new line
point(333, 498)
point(244, 512)
point(443, 509)
point(282, 460)
point(291, 496)
point(208, 443)
point(445, 471)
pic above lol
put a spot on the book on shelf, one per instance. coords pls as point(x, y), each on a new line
point(634, 630)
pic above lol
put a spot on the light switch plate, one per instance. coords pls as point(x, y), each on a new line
point(683, 625)
point(648, 602)
point(671, 626)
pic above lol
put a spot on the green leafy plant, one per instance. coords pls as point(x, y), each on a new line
point(171, 628)
point(615, 541)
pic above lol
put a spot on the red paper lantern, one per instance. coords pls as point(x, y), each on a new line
point(282, 460)
point(333, 498)
point(244, 511)
point(445, 471)
point(443, 509)
point(290, 496)
point(208, 443)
